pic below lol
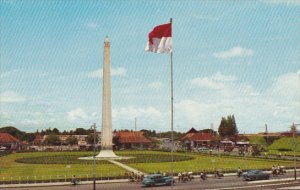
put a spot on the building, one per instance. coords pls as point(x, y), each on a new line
point(235, 140)
point(38, 140)
point(131, 140)
point(195, 139)
point(9, 142)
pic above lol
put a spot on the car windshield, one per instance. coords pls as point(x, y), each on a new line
point(253, 171)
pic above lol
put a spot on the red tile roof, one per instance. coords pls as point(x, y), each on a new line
point(7, 138)
point(192, 130)
point(132, 137)
point(39, 137)
point(198, 137)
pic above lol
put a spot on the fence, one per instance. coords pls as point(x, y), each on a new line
point(58, 178)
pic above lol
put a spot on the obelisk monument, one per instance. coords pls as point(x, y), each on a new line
point(106, 131)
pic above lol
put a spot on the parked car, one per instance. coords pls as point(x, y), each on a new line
point(255, 175)
point(2, 149)
point(203, 149)
point(157, 180)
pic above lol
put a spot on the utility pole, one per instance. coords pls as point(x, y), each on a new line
point(94, 164)
point(135, 124)
point(294, 129)
point(266, 133)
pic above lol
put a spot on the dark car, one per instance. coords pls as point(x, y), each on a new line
point(255, 175)
point(157, 180)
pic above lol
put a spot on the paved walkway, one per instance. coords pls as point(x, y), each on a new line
point(130, 169)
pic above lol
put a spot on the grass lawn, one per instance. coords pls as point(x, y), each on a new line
point(56, 165)
point(9, 168)
point(285, 144)
point(208, 163)
point(287, 153)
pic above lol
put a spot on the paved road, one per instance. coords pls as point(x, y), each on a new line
point(232, 182)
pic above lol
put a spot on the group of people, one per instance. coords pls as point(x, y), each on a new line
point(135, 177)
point(239, 172)
point(185, 176)
point(279, 170)
point(218, 173)
point(203, 175)
point(74, 180)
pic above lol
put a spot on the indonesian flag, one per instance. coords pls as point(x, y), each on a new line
point(160, 39)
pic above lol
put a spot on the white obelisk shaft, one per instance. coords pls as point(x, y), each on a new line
point(106, 136)
point(106, 133)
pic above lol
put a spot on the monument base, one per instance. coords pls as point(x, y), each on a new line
point(106, 155)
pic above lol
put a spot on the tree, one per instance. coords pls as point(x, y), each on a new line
point(71, 140)
point(55, 131)
point(81, 131)
point(228, 126)
point(52, 140)
point(222, 128)
point(234, 127)
point(90, 139)
point(149, 133)
point(208, 131)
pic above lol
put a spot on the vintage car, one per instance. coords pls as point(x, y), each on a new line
point(203, 149)
point(157, 180)
point(255, 175)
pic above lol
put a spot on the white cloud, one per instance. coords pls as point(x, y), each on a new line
point(77, 114)
point(234, 52)
point(156, 85)
point(207, 83)
point(283, 2)
point(298, 72)
point(31, 122)
point(10, 97)
point(7, 74)
point(132, 112)
point(285, 86)
point(114, 72)
point(92, 25)
point(277, 105)
point(223, 78)
point(216, 82)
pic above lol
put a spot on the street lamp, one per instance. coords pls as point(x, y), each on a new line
point(94, 157)
point(294, 129)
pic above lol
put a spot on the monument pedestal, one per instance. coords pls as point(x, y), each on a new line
point(107, 154)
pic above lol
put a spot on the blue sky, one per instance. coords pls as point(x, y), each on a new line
point(229, 57)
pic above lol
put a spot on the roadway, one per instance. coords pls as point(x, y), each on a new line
point(230, 182)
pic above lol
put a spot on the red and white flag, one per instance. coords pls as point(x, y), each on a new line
point(160, 39)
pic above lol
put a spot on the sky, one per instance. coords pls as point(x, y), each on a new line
point(229, 57)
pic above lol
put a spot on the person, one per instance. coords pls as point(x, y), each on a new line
point(279, 170)
point(190, 176)
point(219, 174)
point(184, 177)
point(274, 172)
point(215, 172)
point(74, 180)
point(203, 175)
point(239, 172)
point(142, 176)
point(179, 177)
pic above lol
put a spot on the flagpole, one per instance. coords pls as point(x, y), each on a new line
point(172, 120)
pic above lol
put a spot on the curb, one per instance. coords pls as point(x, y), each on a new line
point(104, 181)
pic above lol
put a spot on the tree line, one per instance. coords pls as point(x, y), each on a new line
point(226, 128)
